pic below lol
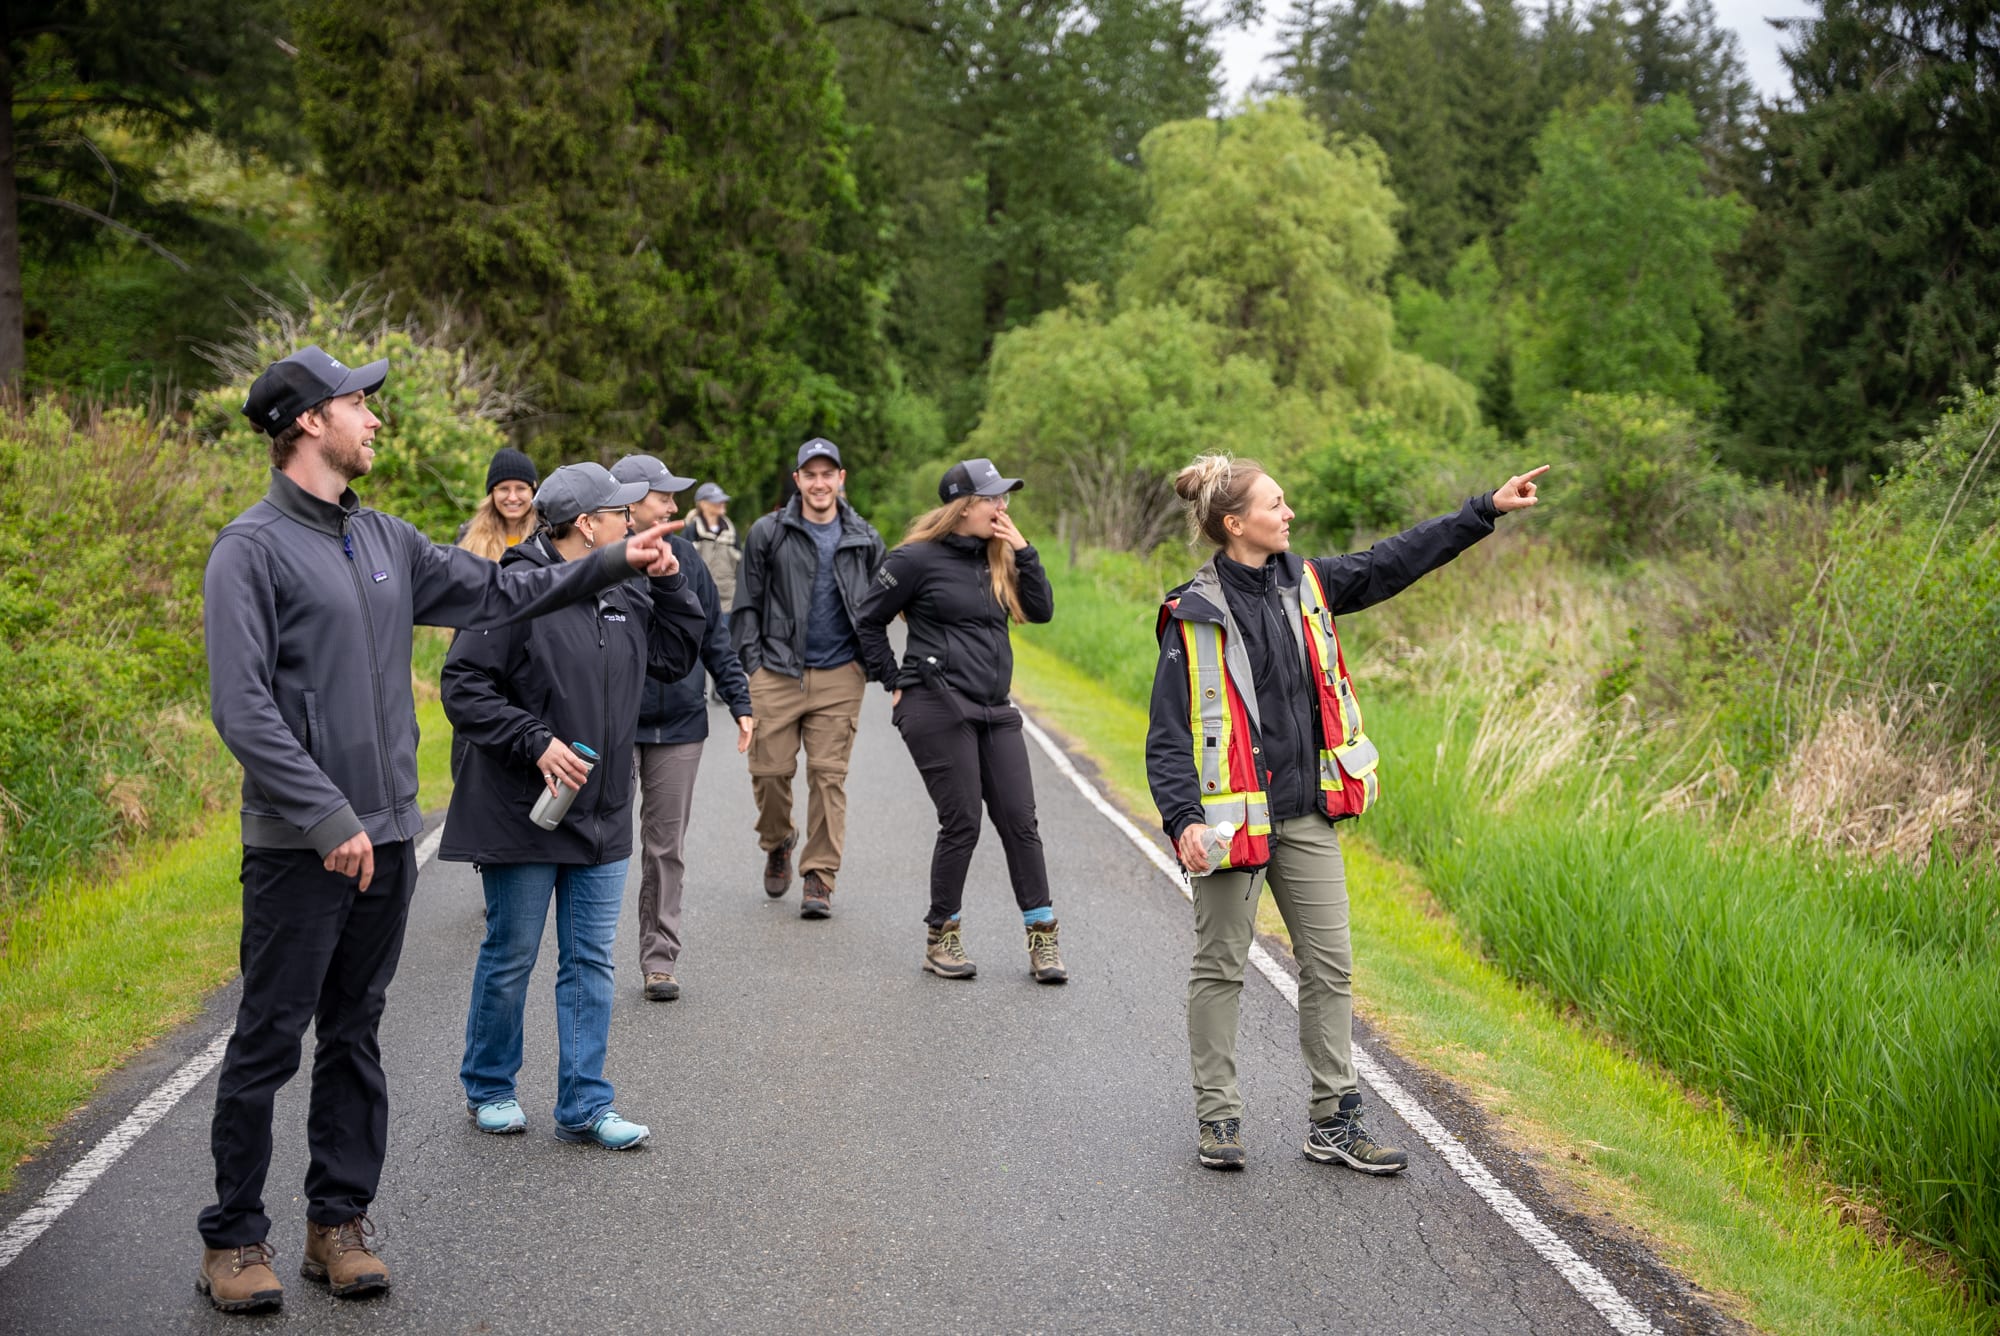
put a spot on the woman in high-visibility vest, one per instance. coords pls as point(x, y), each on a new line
point(1255, 749)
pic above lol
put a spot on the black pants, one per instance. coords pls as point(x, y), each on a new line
point(314, 951)
point(967, 752)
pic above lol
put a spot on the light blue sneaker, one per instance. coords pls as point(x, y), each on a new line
point(500, 1117)
point(609, 1131)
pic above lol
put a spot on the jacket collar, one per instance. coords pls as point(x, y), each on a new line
point(301, 505)
point(1201, 599)
point(794, 514)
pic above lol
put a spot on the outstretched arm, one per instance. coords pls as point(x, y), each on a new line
point(1357, 580)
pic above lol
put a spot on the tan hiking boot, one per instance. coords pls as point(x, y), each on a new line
point(339, 1256)
point(778, 868)
point(944, 952)
point(1044, 954)
point(240, 1280)
point(818, 898)
point(662, 988)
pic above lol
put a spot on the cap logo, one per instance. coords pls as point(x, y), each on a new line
point(952, 488)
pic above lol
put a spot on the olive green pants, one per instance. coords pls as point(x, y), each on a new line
point(1309, 881)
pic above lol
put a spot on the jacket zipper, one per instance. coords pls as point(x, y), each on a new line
point(604, 665)
point(374, 678)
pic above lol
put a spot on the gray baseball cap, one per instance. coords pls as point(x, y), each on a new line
point(644, 468)
point(819, 448)
point(575, 488)
point(711, 492)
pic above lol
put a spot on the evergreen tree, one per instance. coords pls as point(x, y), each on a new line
point(1872, 277)
point(164, 70)
point(630, 197)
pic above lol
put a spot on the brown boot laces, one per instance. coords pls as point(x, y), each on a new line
point(353, 1236)
point(249, 1255)
point(1042, 950)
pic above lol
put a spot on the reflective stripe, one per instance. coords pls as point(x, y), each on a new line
point(1251, 812)
point(1208, 689)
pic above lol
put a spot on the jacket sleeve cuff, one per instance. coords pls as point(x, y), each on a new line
point(1180, 822)
point(1483, 507)
point(335, 831)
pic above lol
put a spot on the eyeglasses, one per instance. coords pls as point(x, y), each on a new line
point(622, 512)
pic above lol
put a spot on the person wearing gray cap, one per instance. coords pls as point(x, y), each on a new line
point(309, 599)
point(714, 536)
point(673, 726)
point(806, 570)
point(528, 699)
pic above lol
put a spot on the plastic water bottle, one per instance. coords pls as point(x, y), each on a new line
point(554, 803)
point(1216, 843)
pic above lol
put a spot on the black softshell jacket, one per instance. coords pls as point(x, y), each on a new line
point(1352, 581)
point(577, 674)
point(958, 630)
point(774, 590)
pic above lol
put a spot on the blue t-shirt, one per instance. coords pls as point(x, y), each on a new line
point(830, 638)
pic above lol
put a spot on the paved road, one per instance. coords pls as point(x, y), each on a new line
point(841, 1142)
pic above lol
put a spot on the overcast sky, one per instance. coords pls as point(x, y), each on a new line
point(1246, 53)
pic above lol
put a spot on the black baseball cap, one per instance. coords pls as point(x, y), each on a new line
point(976, 477)
point(306, 379)
point(819, 448)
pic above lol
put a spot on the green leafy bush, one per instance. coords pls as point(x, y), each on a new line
point(441, 408)
point(105, 523)
point(1634, 476)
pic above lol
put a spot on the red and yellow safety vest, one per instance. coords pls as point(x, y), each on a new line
point(1226, 764)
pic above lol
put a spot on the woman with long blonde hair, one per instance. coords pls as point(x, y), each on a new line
point(961, 575)
point(506, 515)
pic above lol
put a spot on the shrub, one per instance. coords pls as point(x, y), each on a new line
point(441, 409)
point(105, 522)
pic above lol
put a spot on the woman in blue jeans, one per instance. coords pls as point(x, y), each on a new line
point(518, 696)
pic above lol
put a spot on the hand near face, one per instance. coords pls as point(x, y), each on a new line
point(1004, 530)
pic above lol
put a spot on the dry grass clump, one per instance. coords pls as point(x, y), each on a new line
point(1856, 784)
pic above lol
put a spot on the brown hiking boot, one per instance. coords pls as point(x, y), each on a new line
point(1044, 954)
point(662, 988)
point(778, 868)
point(240, 1280)
point(339, 1256)
point(944, 952)
point(818, 902)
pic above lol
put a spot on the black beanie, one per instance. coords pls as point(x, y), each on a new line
point(510, 465)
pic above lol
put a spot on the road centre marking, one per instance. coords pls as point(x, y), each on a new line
point(64, 1193)
point(1624, 1317)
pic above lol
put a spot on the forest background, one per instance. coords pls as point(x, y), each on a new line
point(1749, 647)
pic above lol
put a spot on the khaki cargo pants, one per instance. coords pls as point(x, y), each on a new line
point(819, 710)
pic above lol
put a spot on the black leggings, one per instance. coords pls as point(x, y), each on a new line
point(967, 752)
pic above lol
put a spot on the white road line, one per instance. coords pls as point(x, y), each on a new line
point(64, 1193)
point(1584, 1278)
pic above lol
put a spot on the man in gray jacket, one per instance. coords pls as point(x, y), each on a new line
point(309, 600)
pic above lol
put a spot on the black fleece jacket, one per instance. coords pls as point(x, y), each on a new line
point(958, 630)
point(576, 674)
point(1268, 671)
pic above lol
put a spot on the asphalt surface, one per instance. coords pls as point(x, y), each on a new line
point(840, 1141)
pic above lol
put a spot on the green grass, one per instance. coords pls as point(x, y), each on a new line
point(98, 970)
point(1752, 1220)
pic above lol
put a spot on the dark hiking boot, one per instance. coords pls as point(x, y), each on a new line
point(240, 1280)
point(778, 868)
point(1045, 954)
point(339, 1257)
point(818, 901)
point(944, 952)
point(662, 988)
point(1341, 1139)
point(1222, 1144)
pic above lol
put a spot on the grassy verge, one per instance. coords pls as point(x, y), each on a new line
point(101, 969)
point(1733, 1212)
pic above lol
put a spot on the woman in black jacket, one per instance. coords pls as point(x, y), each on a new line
point(1250, 658)
point(518, 696)
point(962, 572)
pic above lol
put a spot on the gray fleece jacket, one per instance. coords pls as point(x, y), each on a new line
point(307, 609)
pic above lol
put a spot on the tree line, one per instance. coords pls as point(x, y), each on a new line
point(709, 229)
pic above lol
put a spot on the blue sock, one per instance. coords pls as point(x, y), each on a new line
point(1046, 914)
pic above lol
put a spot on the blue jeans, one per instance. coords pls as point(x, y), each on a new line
point(517, 908)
